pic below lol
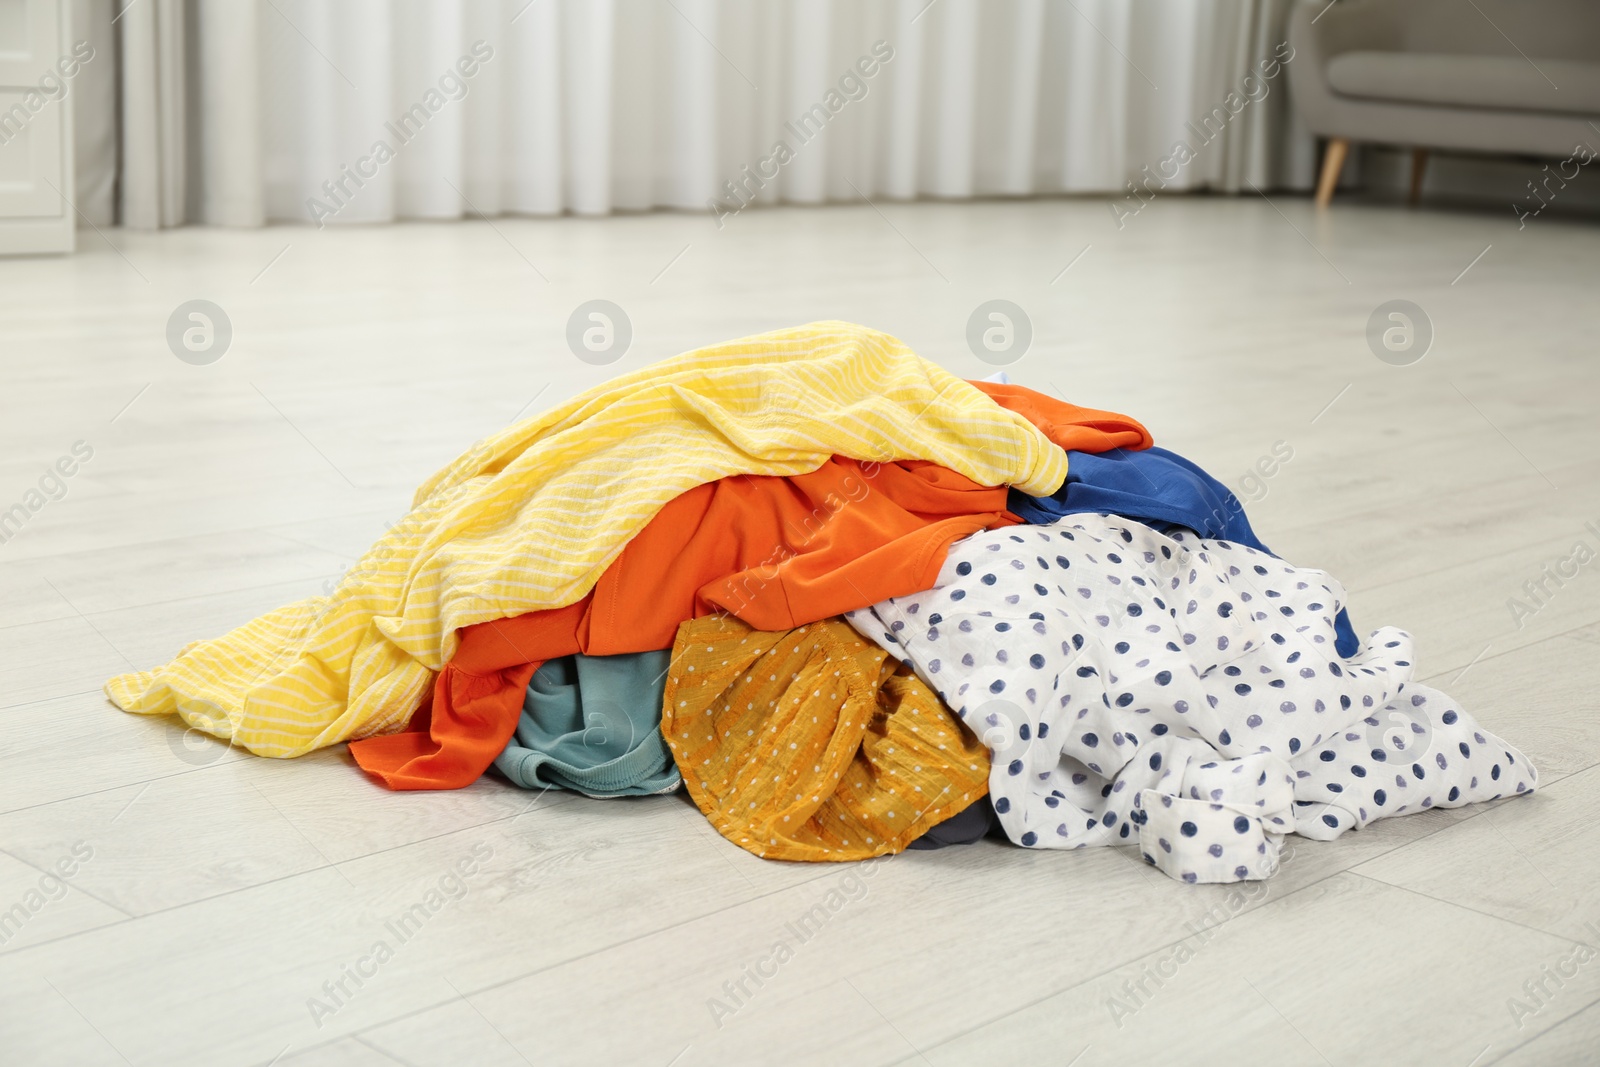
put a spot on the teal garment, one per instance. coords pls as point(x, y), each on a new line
point(592, 724)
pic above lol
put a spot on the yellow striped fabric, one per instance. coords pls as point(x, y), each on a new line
point(530, 518)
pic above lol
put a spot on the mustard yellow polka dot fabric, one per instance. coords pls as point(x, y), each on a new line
point(813, 744)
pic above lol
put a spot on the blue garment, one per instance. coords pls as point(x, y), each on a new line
point(970, 824)
point(1161, 489)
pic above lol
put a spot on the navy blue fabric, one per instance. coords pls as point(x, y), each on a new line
point(972, 823)
point(1158, 488)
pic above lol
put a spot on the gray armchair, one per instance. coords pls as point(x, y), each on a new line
point(1493, 76)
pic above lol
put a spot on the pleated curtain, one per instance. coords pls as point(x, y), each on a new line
point(597, 106)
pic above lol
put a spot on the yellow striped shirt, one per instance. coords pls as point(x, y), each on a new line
point(530, 518)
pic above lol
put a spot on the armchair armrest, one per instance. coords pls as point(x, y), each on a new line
point(1318, 32)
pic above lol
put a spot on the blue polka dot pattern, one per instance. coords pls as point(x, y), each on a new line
point(1156, 694)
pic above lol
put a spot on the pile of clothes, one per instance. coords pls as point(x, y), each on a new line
point(852, 604)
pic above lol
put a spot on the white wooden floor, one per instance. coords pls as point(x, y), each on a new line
point(220, 892)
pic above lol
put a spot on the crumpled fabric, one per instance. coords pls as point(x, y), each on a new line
point(530, 518)
point(963, 828)
point(813, 744)
point(1160, 489)
point(592, 724)
point(1093, 654)
point(1205, 819)
point(778, 552)
point(1420, 751)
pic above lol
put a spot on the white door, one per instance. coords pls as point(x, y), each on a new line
point(35, 127)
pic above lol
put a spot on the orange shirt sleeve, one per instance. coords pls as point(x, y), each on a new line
point(1072, 427)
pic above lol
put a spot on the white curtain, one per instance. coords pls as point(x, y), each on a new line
point(95, 120)
point(372, 110)
point(152, 113)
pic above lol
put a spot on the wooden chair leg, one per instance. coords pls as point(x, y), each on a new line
point(1332, 163)
point(1419, 166)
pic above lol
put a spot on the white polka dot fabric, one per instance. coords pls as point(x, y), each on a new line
point(1181, 694)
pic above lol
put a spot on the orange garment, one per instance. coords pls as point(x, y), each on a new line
point(777, 552)
point(813, 743)
point(1074, 428)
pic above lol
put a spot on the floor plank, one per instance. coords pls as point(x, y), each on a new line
point(1531, 863)
point(1261, 985)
